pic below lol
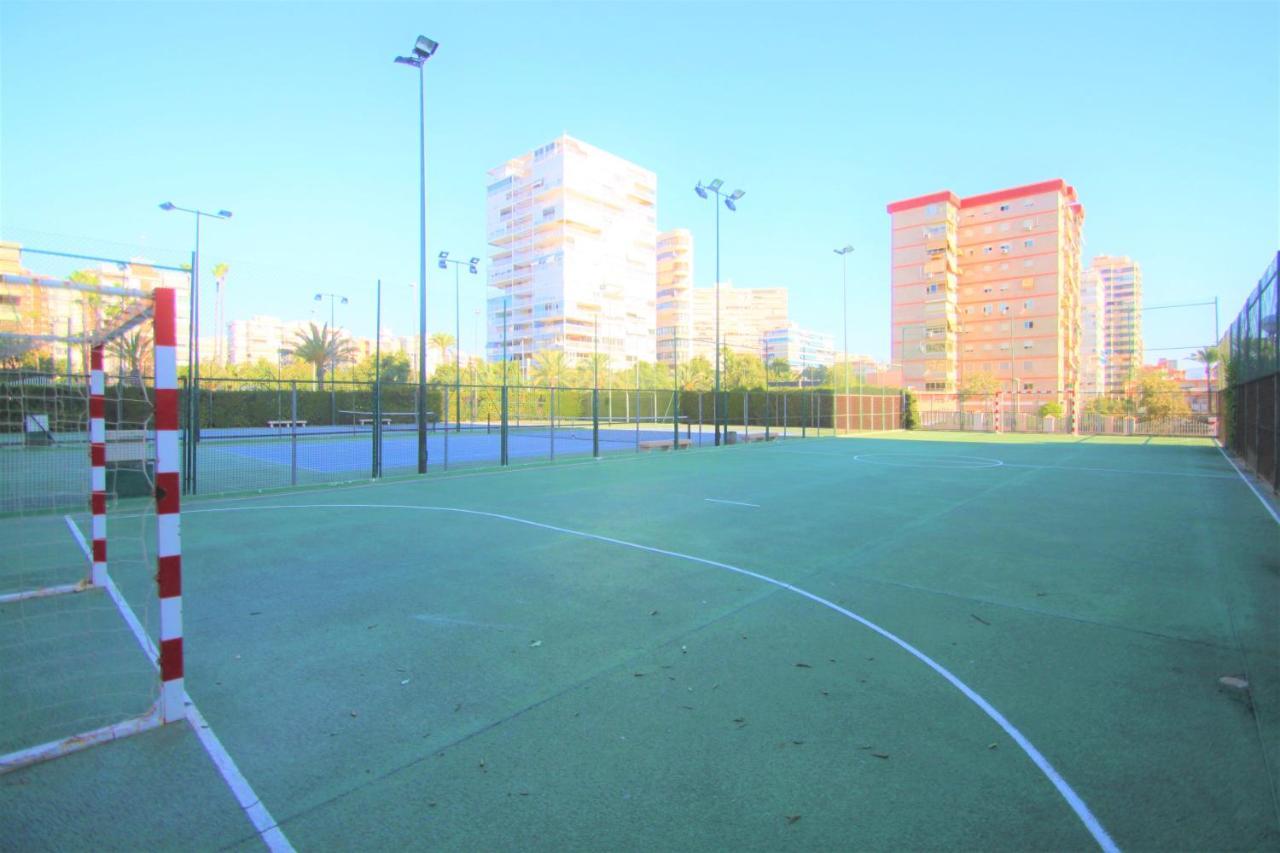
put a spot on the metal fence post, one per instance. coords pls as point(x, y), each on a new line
point(595, 421)
point(502, 438)
point(446, 427)
point(293, 433)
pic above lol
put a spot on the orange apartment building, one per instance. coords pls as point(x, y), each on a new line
point(988, 284)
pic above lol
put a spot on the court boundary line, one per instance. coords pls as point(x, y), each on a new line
point(266, 827)
point(1064, 789)
point(1257, 494)
point(734, 503)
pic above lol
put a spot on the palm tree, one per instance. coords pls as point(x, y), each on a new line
point(441, 342)
point(131, 352)
point(321, 348)
point(549, 368)
point(1208, 356)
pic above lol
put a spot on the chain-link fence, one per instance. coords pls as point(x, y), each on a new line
point(1252, 354)
point(260, 434)
point(1164, 414)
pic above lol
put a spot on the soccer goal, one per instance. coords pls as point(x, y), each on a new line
point(90, 613)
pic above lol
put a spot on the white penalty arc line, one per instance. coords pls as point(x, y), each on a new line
point(1257, 494)
point(1077, 805)
point(262, 821)
point(734, 503)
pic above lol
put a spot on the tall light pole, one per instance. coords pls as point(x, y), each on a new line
point(193, 342)
point(730, 201)
point(333, 329)
point(844, 308)
point(473, 268)
point(423, 49)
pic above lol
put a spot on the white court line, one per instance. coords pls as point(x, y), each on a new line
point(1073, 799)
point(257, 813)
point(1257, 494)
point(735, 503)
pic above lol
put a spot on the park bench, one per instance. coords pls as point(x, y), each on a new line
point(663, 444)
point(286, 423)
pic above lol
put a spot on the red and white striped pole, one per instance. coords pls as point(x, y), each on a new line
point(999, 420)
point(98, 463)
point(168, 519)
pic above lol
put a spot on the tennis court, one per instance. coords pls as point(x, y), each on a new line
point(895, 641)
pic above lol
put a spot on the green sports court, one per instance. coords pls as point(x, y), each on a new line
point(892, 641)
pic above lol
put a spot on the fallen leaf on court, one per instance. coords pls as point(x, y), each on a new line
point(880, 754)
point(684, 650)
point(687, 707)
point(797, 742)
point(535, 643)
point(825, 693)
point(980, 619)
point(653, 613)
point(432, 804)
point(1041, 594)
point(992, 745)
point(868, 746)
point(792, 818)
point(255, 612)
point(637, 675)
point(354, 714)
point(804, 666)
point(403, 683)
point(371, 627)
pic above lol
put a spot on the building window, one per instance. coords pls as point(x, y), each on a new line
point(1028, 243)
point(1028, 345)
point(986, 309)
point(1028, 304)
point(1004, 248)
point(986, 289)
point(1004, 207)
point(1028, 324)
point(1028, 224)
point(932, 210)
point(1028, 386)
point(1004, 307)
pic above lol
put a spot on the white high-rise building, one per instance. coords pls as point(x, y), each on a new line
point(675, 294)
point(746, 314)
point(1093, 362)
point(573, 231)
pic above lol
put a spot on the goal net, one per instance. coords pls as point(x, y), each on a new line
point(90, 613)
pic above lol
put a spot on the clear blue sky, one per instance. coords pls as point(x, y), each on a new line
point(1163, 115)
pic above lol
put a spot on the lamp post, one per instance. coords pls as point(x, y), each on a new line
point(193, 343)
point(472, 266)
point(333, 330)
point(423, 49)
point(844, 308)
point(730, 201)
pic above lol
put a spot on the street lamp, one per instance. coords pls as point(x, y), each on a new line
point(730, 201)
point(193, 342)
point(844, 309)
point(333, 329)
point(423, 49)
point(473, 267)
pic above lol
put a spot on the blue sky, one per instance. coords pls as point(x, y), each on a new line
point(1163, 115)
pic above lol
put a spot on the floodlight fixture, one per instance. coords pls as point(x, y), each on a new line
point(424, 48)
point(408, 60)
point(715, 185)
point(443, 255)
point(699, 189)
point(474, 261)
point(225, 214)
point(168, 205)
point(737, 194)
point(846, 250)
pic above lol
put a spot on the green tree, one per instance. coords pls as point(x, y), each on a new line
point(741, 370)
point(550, 368)
point(1052, 409)
point(442, 342)
point(1160, 394)
point(131, 350)
point(320, 348)
point(779, 370)
point(982, 383)
point(1208, 356)
point(696, 374)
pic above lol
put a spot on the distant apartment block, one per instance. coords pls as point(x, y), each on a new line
point(988, 284)
point(674, 310)
point(573, 233)
point(54, 311)
point(746, 314)
point(1119, 284)
point(261, 337)
point(802, 349)
point(1093, 357)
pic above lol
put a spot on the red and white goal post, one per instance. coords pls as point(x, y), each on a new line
point(151, 451)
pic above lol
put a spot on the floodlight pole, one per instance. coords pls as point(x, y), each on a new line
point(424, 48)
point(445, 260)
point(844, 310)
point(714, 187)
point(193, 343)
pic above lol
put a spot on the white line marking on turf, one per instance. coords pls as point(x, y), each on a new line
point(1073, 799)
point(1257, 494)
point(735, 503)
point(257, 813)
point(918, 460)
